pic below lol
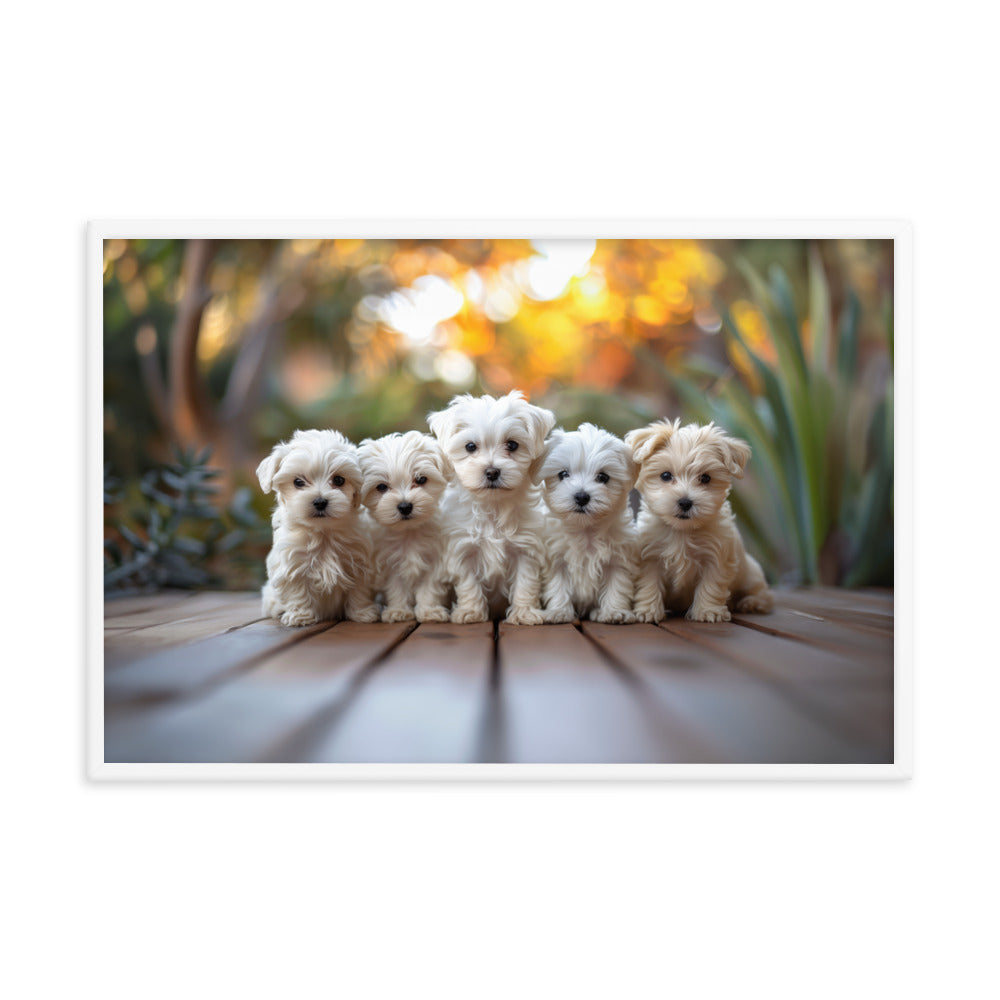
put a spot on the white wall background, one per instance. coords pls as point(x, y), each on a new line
point(297, 110)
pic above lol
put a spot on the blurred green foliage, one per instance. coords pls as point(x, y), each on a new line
point(174, 533)
point(819, 417)
point(130, 420)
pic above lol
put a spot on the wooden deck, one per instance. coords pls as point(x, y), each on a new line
point(201, 677)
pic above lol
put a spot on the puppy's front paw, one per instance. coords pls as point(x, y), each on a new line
point(295, 619)
point(709, 613)
point(613, 616)
point(369, 613)
point(525, 616)
point(432, 613)
point(756, 604)
point(559, 616)
point(468, 616)
point(397, 615)
point(650, 615)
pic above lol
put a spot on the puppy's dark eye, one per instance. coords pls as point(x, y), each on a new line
point(666, 476)
point(382, 487)
point(420, 480)
point(564, 474)
point(471, 446)
point(704, 478)
point(299, 483)
point(512, 446)
point(338, 480)
point(602, 477)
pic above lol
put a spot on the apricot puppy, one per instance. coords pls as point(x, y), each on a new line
point(692, 559)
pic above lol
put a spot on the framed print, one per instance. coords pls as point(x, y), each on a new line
point(499, 500)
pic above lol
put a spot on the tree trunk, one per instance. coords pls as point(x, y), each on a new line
point(190, 411)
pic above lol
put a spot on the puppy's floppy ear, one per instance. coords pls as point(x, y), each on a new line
point(364, 452)
point(643, 441)
point(631, 469)
point(437, 421)
point(364, 456)
point(735, 455)
point(268, 469)
point(352, 473)
point(543, 466)
point(442, 424)
point(540, 422)
point(435, 451)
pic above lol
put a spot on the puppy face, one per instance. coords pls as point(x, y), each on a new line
point(495, 445)
point(586, 474)
point(316, 477)
point(404, 476)
point(685, 473)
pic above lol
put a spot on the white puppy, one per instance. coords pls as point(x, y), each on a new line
point(692, 556)
point(320, 565)
point(590, 545)
point(495, 546)
point(404, 476)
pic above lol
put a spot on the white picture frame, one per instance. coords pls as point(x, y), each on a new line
point(900, 232)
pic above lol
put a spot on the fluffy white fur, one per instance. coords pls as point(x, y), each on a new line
point(320, 565)
point(692, 559)
point(404, 477)
point(495, 546)
point(591, 556)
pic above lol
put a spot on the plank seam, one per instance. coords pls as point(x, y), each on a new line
point(491, 746)
point(296, 744)
point(647, 697)
point(836, 725)
point(186, 694)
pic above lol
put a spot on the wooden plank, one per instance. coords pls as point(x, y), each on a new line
point(779, 657)
point(845, 608)
point(852, 697)
point(872, 646)
point(169, 610)
point(881, 598)
point(877, 603)
point(740, 717)
point(425, 703)
point(181, 671)
point(124, 646)
point(560, 700)
point(260, 714)
point(810, 683)
point(119, 607)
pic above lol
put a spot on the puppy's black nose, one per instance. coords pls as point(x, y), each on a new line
point(685, 503)
point(492, 473)
point(582, 498)
point(405, 509)
point(320, 503)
